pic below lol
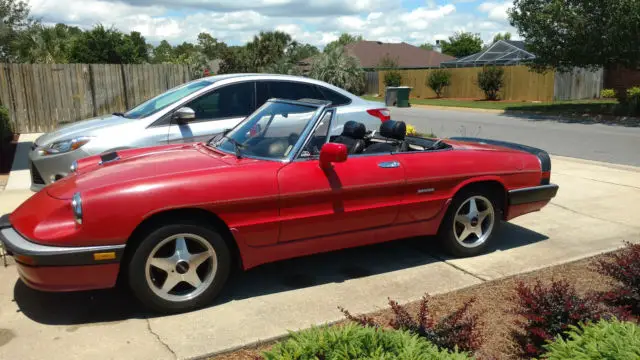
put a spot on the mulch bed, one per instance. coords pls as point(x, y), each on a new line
point(492, 303)
point(7, 152)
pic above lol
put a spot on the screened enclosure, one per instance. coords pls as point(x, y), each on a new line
point(502, 52)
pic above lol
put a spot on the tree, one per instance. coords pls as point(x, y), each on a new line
point(210, 46)
point(579, 33)
point(462, 44)
point(439, 79)
point(139, 47)
point(45, 44)
point(102, 45)
point(500, 36)
point(427, 46)
point(235, 59)
point(14, 17)
point(343, 40)
point(388, 62)
point(267, 48)
point(340, 69)
point(163, 53)
point(297, 52)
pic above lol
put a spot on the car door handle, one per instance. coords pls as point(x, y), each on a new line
point(389, 164)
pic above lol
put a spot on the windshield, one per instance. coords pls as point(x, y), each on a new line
point(270, 132)
point(165, 99)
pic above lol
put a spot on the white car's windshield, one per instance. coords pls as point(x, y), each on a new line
point(165, 99)
point(270, 132)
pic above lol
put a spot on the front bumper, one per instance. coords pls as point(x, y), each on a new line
point(57, 268)
point(527, 200)
point(46, 169)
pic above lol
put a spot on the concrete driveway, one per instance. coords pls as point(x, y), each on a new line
point(594, 212)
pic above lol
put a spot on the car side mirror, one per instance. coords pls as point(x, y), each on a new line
point(184, 115)
point(332, 153)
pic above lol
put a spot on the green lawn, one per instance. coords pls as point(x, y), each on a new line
point(574, 107)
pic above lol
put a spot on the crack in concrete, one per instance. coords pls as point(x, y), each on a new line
point(600, 181)
point(459, 268)
point(594, 217)
point(165, 345)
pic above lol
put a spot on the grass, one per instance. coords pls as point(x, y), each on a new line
point(572, 107)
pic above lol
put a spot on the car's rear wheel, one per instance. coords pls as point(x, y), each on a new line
point(179, 268)
point(471, 223)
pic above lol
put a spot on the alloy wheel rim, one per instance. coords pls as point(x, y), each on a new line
point(474, 221)
point(181, 267)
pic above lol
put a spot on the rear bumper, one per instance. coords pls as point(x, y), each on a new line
point(56, 268)
point(526, 200)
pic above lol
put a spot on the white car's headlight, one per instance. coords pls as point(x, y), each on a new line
point(64, 146)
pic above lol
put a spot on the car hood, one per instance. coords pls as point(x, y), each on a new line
point(82, 128)
point(166, 161)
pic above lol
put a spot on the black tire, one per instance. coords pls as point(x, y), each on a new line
point(136, 272)
point(446, 233)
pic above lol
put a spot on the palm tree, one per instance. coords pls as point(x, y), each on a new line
point(340, 69)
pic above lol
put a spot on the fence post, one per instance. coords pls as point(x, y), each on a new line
point(92, 88)
point(124, 85)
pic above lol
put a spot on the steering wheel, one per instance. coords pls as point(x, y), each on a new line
point(435, 145)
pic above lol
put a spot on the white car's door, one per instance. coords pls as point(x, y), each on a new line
point(216, 111)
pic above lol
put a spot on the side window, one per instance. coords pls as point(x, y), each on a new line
point(235, 100)
point(335, 98)
point(287, 90)
point(319, 137)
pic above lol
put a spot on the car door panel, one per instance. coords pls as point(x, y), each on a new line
point(352, 196)
point(431, 178)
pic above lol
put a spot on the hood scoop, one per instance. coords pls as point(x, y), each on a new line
point(109, 157)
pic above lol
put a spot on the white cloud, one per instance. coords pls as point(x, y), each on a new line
point(236, 22)
point(496, 10)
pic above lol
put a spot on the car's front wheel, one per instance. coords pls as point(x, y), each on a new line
point(179, 268)
point(471, 223)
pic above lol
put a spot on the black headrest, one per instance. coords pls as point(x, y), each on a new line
point(393, 129)
point(354, 130)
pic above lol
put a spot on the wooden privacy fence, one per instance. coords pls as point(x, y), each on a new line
point(519, 84)
point(371, 83)
point(39, 97)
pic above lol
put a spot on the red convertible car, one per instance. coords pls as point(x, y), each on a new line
point(172, 221)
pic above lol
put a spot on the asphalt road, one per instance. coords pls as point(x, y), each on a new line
point(609, 143)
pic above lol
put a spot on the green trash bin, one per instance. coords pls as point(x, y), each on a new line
point(403, 96)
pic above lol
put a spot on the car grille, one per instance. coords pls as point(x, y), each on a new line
point(36, 178)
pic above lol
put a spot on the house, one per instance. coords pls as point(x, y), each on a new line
point(371, 53)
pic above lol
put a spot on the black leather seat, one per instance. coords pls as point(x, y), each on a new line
point(395, 132)
point(353, 137)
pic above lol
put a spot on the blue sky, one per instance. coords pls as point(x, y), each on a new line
point(312, 21)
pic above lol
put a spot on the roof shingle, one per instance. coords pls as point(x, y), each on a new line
point(370, 53)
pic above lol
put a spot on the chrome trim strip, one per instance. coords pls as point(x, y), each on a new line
point(15, 242)
point(426, 191)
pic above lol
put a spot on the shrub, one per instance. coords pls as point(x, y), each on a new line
point(6, 132)
point(633, 100)
point(623, 267)
point(438, 80)
point(607, 93)
point(546, 312)
point(458, 330)
point(392, 78)
point(602, 340)
point(356, 342)
point(490, 81)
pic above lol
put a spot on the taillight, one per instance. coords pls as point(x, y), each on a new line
point(382, 114)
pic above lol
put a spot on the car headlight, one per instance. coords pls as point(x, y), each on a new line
point(76, 206)
point(64, 146)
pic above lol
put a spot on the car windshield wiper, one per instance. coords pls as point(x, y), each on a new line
point(237, 147)
point(121, 114)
